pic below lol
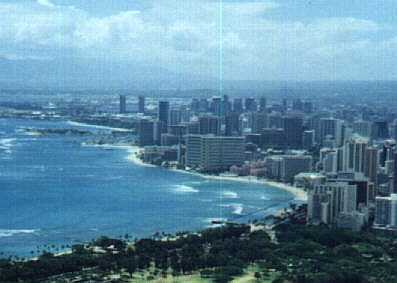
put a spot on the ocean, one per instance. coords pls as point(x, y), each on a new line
point(54, 193)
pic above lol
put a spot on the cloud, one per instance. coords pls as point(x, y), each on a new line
point(186, 36)
point(46, 3)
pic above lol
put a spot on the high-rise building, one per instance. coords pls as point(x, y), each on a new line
point(363, 128)
point(293, 127)
point(394, 190)
point(393, 132)
point(273, 138)
point(285, 105)
point(297, 105)
point(123, 104)
point(380, 130)
point(262, 104)
point(330, 127)
point(308, 139)
point(146, 132)
point(238, 105)
point(364, 187)
point(250, 104)
point(214, 153)
point(195, 105)
point(203, 105)
point(141, 104)
point(326, 202)
point(258, 122)
point(275, 121)
point(226, 105)
point(216, 106)
point(354, 155)
point(209, 125)
point(232, 124)
point(386, 211)
point(371, 164)
point(308, 107)
point(163, 115)
point(193, 151)
point(175, 117)
point(193, 128)
point(292, 165)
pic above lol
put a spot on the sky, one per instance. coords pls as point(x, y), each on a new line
point(298, 40)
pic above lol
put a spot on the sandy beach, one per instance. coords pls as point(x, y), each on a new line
point(299, 194)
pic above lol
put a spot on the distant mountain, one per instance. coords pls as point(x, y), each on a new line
point(93, 74)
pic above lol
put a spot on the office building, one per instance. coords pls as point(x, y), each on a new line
point(123, 104)
point(371, 164)
point(175, 117)
point(163, 114)
point(141, 104)
point(214, 153)
point(275, 120)
point(273, 138)
point(262, 104)
point(308, 107)
point(292, 165)
point(258, 122)
point(354, 155)
point(326, 202)
point(386, 211)
point(297, 105)
point(330, 127)
point(293, 127)
point(380, 130)
point(216, 106)
point(394, 189)
point(238, 105)
point(362, 128)
point(250, 104)
point(209, 125)
point(308, 139)
point(232, 124)
point(146, 132)
point(203, 105)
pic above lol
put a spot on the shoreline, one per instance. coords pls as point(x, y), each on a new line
point(78, 124)
point(300, 195)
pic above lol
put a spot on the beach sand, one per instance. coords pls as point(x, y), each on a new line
point(299, 194)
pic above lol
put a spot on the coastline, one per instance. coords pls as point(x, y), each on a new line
point(299, 194)
point(78, 124)
point(132, 150)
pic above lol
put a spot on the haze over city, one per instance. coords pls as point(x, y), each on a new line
point(202, 141)
point(121, 43)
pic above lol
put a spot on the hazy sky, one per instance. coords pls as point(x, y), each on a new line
point(260, 40)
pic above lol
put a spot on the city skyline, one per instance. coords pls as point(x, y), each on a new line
point(64, 41)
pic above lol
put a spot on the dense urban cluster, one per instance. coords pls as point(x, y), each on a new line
point(342, 157)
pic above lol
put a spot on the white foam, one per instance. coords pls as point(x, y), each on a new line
point(230, 194)
point(12, 232)
point(265, 198)
point(237, 208)
point(6, 145)
point(183, 189)
point(7, 142)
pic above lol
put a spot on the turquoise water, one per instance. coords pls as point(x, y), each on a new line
point(53, 191)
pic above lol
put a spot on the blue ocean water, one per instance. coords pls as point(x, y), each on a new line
point(55, 192)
